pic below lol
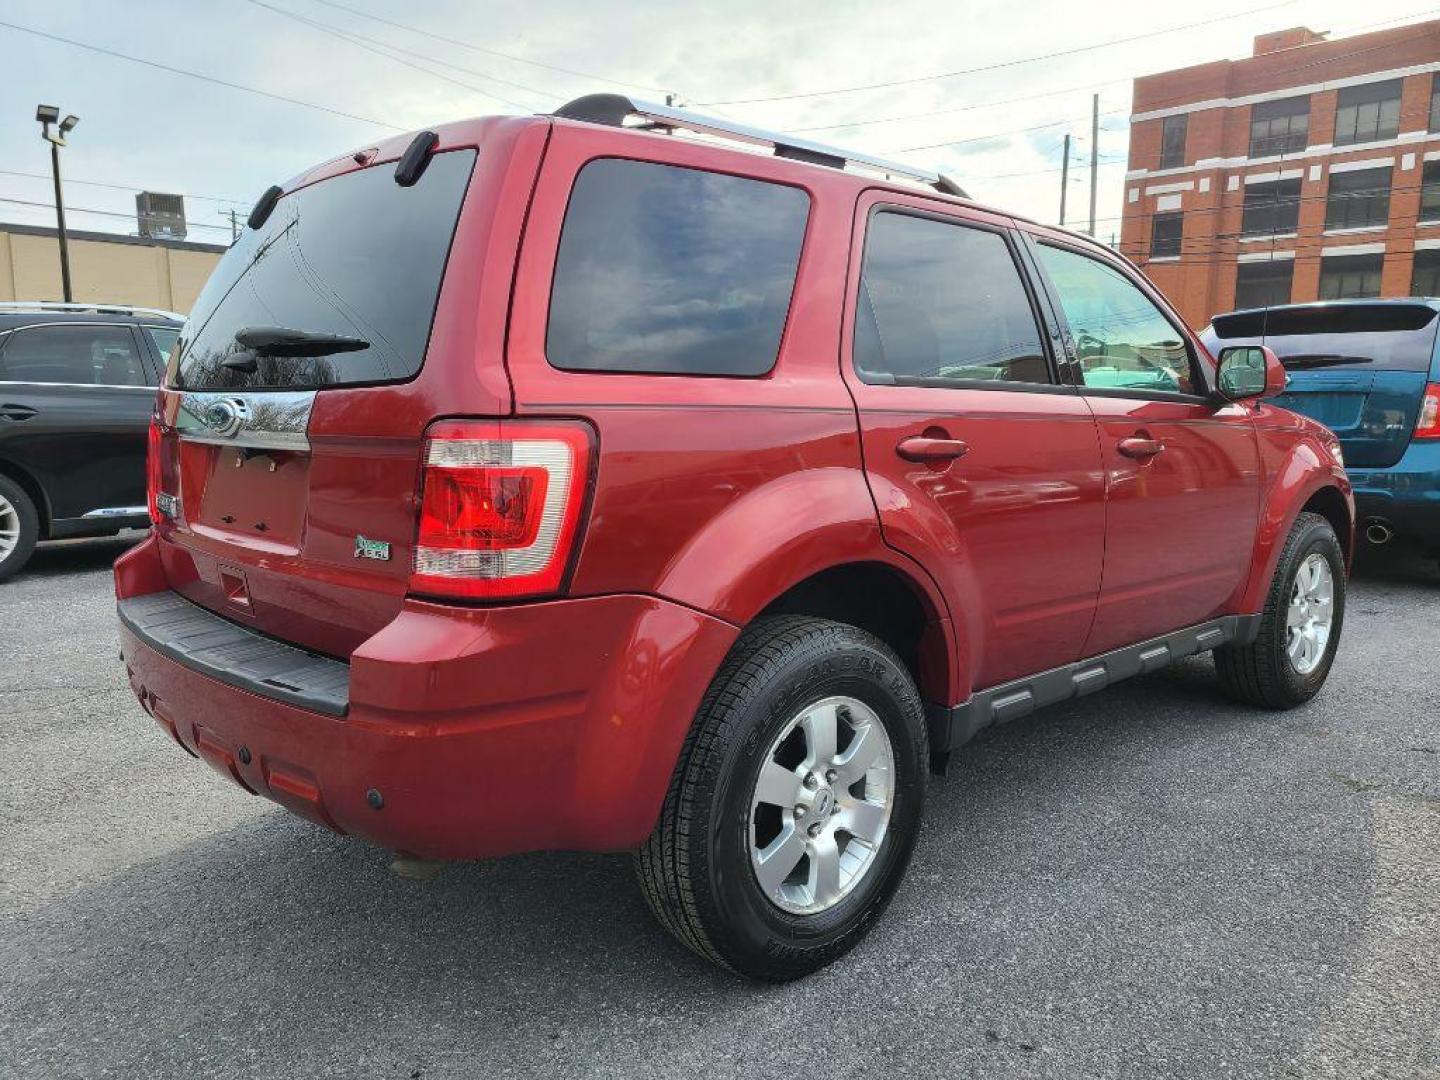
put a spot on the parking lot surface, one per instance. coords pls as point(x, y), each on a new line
point(1151, 882)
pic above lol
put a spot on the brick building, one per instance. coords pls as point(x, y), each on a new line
point(1310, 170)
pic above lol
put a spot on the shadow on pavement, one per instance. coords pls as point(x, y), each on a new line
point(77, 556)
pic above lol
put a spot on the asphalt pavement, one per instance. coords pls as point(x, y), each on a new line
point(1151, 882)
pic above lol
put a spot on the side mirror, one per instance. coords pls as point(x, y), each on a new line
point(1249, 371)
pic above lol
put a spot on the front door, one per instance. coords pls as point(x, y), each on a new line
point(985, 470)
point(1182, 471)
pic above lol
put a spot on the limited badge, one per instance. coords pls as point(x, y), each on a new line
point(372, 549)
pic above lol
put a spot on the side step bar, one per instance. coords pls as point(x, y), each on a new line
point(951, 728)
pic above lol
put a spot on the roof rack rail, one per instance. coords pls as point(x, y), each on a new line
point(98, 308)
point(615, 109)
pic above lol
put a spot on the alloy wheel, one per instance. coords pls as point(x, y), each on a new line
point(1311, 613)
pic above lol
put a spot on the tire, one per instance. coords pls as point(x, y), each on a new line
point(1264, 673)
point(698, 870)
point(19, 527)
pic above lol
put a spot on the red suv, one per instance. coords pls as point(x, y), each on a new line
point(608, 481)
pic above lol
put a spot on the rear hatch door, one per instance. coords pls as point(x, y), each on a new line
point(296, 400)
point(1357, 367)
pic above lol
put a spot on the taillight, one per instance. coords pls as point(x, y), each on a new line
point(154, 445)
point(499, 507)
point(1427, 424)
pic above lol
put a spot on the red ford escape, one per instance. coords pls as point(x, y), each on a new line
point(621, 479)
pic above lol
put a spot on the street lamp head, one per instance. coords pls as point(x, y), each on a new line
point(47, 114)
point(68, 124)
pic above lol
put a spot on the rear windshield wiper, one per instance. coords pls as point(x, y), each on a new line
point(1314, 360)
point(260, 341)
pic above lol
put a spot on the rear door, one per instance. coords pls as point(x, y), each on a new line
point(984, 468)
point(1358, 368)
point(1182, 472)
point(75, 401)
point(324, 344)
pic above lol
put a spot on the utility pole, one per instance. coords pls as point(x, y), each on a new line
point(234, 224)
point(1064, 179)
point(1094, 154)
point(47, 115)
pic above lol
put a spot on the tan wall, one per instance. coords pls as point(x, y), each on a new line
point(103, 271)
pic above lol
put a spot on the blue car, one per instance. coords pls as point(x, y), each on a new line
point(1370, 371)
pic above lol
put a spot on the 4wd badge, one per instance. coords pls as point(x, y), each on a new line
point(372, 549)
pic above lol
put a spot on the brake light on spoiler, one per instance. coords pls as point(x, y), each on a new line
point(500, 507)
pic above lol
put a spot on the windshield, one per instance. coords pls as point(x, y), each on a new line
point(356, 257)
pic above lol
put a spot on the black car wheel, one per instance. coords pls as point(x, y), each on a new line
point(19, 527)
point(796, 801)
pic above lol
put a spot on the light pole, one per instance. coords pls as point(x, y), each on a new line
point(47, 115)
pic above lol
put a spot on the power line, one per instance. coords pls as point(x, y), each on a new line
point(123, 187)
point(483, 49)
point(999, 134)
point(100, 213)
point(372, 45)
point(1003, 63)
point(198, 75)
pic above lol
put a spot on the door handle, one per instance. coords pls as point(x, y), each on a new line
point(924, 448)
point(1140, 447)
point(9, 411)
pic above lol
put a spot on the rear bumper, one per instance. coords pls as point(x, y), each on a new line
point(1407, 494)
point(479, 731)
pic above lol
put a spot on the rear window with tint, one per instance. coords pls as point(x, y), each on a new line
point(1375, 337)
point(357, 256)
point(673, 271)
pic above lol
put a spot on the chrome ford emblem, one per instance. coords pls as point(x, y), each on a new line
point(226, 416)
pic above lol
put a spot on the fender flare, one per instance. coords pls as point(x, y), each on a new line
point(784, 532)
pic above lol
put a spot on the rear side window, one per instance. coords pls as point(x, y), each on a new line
point(164, 338)
point(1371, 337)
point(77, 354)
point(674, 271)
point(356, 256)
point(943, 302)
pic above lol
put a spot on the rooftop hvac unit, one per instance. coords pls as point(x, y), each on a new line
point(161, 217)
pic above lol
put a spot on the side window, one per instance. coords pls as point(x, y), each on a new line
point(674, 271)
point(941, 301)
point(164, 338)
point(1122, 340)
point(79, 354)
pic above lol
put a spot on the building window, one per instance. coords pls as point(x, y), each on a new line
point(1435, 102)
point(1430, 192)
point(1271, 209)
point(1279, 127)
point(1350, 276)
point(1264, 284)
point(1166, 231)
point(1358, 200)
point(1368, 113)
point(1172, 141)
point(1425, 280)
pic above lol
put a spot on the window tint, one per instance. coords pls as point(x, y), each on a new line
point(86, 355)
point(357, 256)
point(670, 270)
point(1425, 279)
point(1367, 113)
point(1172, 140)
point(1166, 232)
point(1344, 276)
point(941, 301)
point(1271, 209)
point(1358, 200)
point(1122, 339)
point(1262, 284)
point(164, 338)
point(1279, 127)
point(1375, 337)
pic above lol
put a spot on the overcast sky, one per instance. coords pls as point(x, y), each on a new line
point(147, 128)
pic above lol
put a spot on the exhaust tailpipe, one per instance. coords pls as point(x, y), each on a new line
point(1379, 531)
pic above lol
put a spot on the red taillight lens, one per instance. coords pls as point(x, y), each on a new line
point(1427, 424)
point(154, 445)
point(500, 507)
